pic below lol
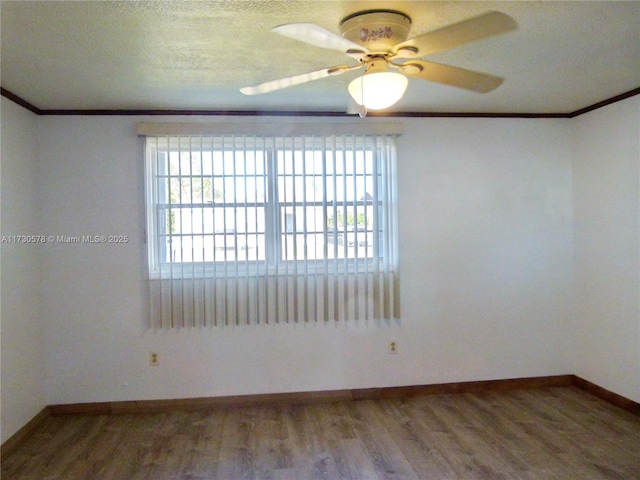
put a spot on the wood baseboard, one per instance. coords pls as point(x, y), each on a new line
point(607, 395)
point(13, 442)
point(190, 404)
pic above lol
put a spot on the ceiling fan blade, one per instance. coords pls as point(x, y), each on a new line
point(274, 85)
point(452, 76)
point(315, 35)
point(483, 26)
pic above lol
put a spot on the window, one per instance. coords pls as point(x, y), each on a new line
point(260, 228)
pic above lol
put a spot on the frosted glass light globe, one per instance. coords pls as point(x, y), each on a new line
point(378, 90)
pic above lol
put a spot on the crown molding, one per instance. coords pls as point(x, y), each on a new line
point(282, 113)
point(19, 101)
point(604, 103)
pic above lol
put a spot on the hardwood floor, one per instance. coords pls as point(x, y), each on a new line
point(548, 433)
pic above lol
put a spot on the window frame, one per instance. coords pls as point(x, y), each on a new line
point(275, 231)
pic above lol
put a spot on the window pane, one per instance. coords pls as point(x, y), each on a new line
point(208, 234)
point(214, 199)
point(326, 213)
point(348, 233)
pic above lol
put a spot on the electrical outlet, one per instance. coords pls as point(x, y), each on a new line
point(393, 346)
point(154, 360)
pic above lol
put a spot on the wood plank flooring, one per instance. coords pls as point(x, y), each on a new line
point(558, 433)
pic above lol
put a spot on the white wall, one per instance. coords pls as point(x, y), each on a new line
point(486, 242)
point(22, 349)
point(606, 152)
point(486, 259)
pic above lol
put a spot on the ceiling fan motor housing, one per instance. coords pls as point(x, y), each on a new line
point(377, 30)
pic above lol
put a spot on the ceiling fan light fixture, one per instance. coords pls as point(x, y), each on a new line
point(377, 39)
point(378, 90)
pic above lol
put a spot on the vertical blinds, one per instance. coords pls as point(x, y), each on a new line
point(249, 229)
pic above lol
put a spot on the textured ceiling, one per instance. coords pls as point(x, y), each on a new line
point(197, 54)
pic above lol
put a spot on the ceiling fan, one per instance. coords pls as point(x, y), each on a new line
point(377, 40)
